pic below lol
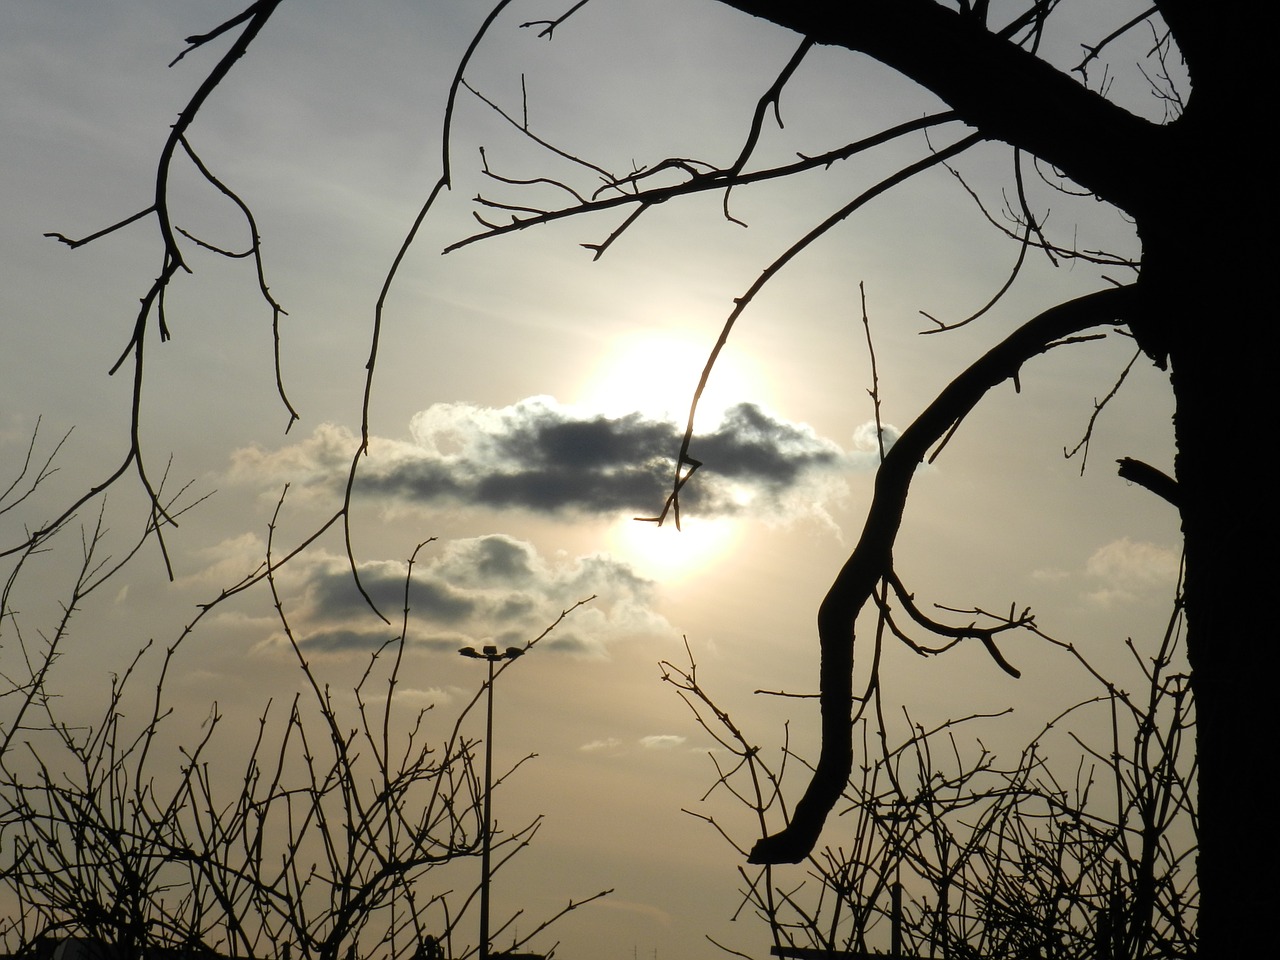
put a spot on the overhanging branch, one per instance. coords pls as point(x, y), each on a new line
point(1001, 89)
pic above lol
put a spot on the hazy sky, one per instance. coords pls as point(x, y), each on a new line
point(528, 400)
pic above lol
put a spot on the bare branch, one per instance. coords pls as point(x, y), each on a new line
point(871, 558)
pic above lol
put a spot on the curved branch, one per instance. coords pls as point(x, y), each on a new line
point(443, 184)
point(871, 558)
point(254, 17)
point(985, 635)
point(257, 17)
point(770, 98)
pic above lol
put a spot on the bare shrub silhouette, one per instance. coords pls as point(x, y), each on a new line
point(326, 837)
point(942, 848)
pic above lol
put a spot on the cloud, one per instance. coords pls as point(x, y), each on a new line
point(662, 741)
point(1134, 563)
point(614, 747)
point(540, 456)
point(866, 443)
point(490, 589)
point(1050, 574)
point(650, 912)
point(1130, 568)
point(319, 462)
point(419, 699)
point(607, 745)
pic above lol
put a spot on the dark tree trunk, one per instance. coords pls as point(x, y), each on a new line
point(1210, 292)
point(1206, 264)
point(1229, 524)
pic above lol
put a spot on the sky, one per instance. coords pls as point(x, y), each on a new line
point(528, 400)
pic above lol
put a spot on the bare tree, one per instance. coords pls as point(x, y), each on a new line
point(984, 63)
point(1184, 181)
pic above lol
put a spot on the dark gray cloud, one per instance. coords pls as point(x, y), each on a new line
point(753, 448)
point(490, 589)
point(538, 455)
point(345, 641)
point(332, 593)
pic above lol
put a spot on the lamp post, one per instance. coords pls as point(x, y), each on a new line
point(491, 655)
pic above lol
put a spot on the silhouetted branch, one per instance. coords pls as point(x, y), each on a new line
point(742, 302)
point(1092, 50)
point(770, 99)
point(549, 26)
point(985, 635)
point(964, 855)
point(444, 183)
point(314, 848)
point(1145, 475)
point(711, 180)
point(253, 18)
point(1098, 406)
point(872, 557)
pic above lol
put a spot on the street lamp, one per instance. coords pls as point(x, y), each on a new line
point(491, 655)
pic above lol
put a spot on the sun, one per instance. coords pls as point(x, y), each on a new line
point(656, 373)
point(663, 553)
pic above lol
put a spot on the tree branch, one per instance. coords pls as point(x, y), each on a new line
point(872, 557)
point(1145, 475)
point(995, 85)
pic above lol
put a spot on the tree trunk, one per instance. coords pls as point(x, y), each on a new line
point(1223, 375)
point(1228, 521)
point(1206, 254)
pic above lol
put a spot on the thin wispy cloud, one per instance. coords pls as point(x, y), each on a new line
point(612, 746)
point(1126, 569)
point(607, 745)
point(662, 741)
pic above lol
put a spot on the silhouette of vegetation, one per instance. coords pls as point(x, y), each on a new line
point(337, 833)
point(943, 848)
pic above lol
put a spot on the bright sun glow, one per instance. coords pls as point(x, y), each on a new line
point(667, 554)
point(655, 374)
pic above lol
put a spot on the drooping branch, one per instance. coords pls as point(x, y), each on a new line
point(254, 251)
point(953, 634)
point(442, 185)
point(871, 559)
point(1098, 406)
point(254, 18)
point(771, 99)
